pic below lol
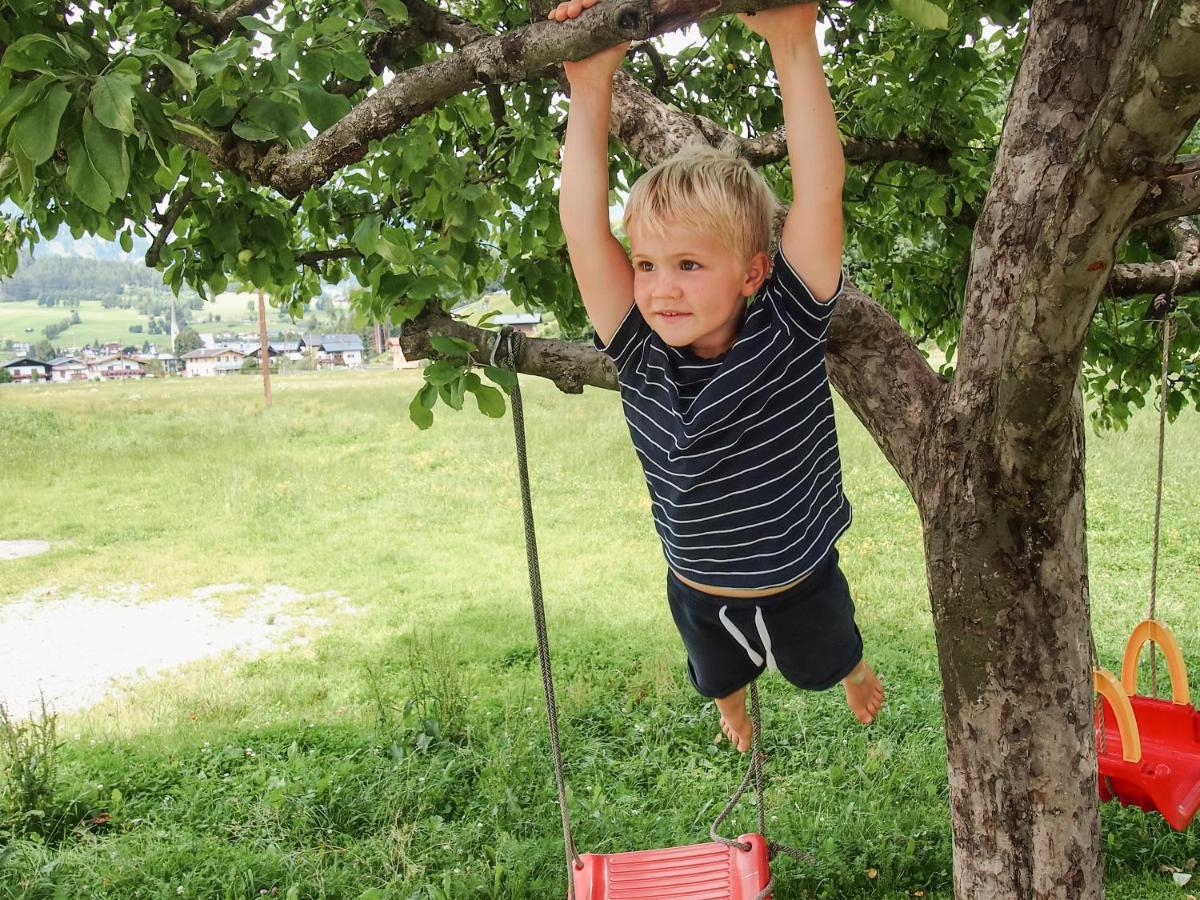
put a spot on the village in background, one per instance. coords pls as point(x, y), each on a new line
point(66, 319)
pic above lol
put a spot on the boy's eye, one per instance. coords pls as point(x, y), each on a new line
point(688, 262)
point(644, 266)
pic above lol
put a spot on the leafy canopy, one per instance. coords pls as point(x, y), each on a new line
point(110, 117)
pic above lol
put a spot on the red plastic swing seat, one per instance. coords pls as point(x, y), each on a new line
point(1167, 777)
point(696, 872)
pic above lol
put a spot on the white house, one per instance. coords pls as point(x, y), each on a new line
point(337, 350)
point(27, 369)
point(526, 323)
point(206, 362)
point(68, 368)
point(115, 367)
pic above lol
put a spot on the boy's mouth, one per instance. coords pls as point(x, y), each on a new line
point(672, 315)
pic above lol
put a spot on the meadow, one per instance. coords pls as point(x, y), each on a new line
point(404, 753)
point(96, 323)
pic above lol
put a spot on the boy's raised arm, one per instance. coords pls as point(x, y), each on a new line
point(812, 233)
point(602, 270)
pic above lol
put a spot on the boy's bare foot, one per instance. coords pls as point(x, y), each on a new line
point(734, 721)
point(864, 693)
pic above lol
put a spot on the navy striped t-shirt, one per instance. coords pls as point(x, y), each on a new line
point(740, 451)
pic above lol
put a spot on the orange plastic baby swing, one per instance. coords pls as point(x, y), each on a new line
point(724, 869)
point(1149, 749)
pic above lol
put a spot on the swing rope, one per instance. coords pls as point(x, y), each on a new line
point(515, 341)
point(539, 608)
point(1166, 323)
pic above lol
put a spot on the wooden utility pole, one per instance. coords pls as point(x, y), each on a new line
point(264, 349)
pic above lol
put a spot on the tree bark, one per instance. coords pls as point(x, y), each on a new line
point(1008, 582)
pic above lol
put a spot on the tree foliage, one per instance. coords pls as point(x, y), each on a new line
point(188, 122)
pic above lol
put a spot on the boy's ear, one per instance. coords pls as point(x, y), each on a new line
point(757, 270)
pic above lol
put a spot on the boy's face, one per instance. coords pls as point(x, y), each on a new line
point(691, 288)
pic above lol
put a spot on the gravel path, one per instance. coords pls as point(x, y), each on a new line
point(78, 649)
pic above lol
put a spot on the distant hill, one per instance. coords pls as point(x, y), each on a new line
point(64, 280)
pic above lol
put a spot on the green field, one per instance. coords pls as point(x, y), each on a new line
point(96, 323)
point(404, 753)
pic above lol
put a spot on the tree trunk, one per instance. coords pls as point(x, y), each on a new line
point(1008, 580)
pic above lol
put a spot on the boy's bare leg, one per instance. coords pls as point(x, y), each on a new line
point(864, 693)
point(734, 720)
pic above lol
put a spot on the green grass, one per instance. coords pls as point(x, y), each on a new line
point(96, 323)
point(406, 751)
point(104, 325)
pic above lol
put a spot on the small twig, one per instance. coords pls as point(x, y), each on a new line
point(167, 221)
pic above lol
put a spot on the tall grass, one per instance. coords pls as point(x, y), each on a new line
point(404, 751)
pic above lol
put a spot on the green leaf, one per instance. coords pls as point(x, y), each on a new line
point(315, 65)
point(23, 56)
point(443, 372)
point(506, 378)
point(35, 131)
point(322, 108)
point(394, 9)
point(252, 132)
point(923, 12)
point(106, 149)
point(25, 171)
point(423, 287)
point(180, 71)
point(418, 411)
point(112, 102)
point(18, 98)
point(82, 177)
point(252, 24)
point(366, 235)
point(353, 65)
point(458, 390)
point(490, 400)
point(451, 346)
point(193, 129)
point(271, 115)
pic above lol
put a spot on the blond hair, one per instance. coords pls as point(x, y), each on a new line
point(711, 190)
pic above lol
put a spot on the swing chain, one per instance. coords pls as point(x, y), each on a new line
point(1166, 323)
point(514, 340)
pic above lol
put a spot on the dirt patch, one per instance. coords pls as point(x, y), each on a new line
point(18, 549)
point(78, 649)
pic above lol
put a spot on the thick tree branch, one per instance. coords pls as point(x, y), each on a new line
point(884, 378)
point(217, 26)
point(529, 52)
point(193, 12)
point(652, 130)
point(1171, 197)
point(772, 147)
point(569, 365)
point(1132, 279)
point(1148, 113)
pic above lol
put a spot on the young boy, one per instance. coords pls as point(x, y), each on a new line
point(729, 405)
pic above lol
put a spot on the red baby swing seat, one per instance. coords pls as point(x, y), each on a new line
point(1149, 749)
point(696, 872)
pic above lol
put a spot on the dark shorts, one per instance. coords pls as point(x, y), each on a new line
point(809, 630)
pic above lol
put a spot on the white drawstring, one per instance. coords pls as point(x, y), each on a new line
point(764, 636)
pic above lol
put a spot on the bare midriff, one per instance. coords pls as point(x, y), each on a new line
point(747, 593)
